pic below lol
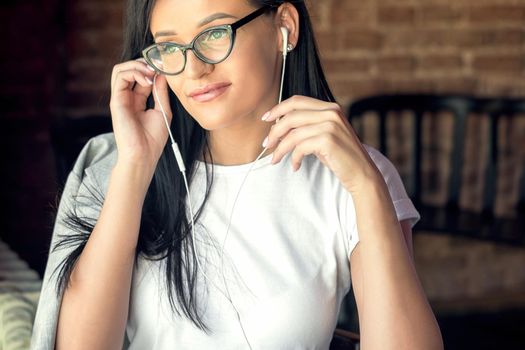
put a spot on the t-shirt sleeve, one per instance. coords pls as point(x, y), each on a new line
point(81, 195)
point(405, 209)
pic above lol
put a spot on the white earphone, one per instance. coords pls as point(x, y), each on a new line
point(284, 31)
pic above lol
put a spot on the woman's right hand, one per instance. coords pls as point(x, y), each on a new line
point(140, 133)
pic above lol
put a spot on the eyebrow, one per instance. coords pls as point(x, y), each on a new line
point(203, 22)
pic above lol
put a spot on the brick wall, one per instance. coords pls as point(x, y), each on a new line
point(385, 46)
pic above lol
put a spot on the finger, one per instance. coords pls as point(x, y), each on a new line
point(139, 65)
point(297, 136)
point(319, 145)
point(300, 118)
point(141, 95)
point(126, 80)
point(298, 102)
point(161, 96)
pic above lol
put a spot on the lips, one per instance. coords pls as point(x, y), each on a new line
point(209, 92)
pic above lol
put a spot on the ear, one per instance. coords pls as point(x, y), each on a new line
point(287, 16)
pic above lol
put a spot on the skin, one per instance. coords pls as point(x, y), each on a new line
point(393, 310)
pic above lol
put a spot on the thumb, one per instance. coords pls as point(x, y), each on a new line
point(161, 95)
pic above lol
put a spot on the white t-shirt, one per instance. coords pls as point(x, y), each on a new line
point(286, 257)
point(286, 260)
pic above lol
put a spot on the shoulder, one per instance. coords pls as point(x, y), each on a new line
point(99, 153)
point(96, 160)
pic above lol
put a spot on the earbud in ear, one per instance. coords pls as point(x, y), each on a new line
point(284, 31)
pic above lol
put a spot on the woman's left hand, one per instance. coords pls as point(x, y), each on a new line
point(311, 126)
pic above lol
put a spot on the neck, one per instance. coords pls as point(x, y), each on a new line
point(238, 145)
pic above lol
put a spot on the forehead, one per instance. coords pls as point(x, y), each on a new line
point(184, 16)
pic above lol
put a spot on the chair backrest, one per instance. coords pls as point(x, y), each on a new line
point(69, 135)
point(502, 137)
point(418, 105)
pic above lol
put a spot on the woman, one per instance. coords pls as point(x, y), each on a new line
point(269, 255)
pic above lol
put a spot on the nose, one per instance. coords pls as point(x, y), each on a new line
point(195, 68)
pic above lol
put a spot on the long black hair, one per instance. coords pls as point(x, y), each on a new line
point(165, 231)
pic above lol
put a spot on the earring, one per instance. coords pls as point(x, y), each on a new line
point(289, 47)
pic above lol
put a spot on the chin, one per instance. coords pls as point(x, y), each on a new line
point(216, 116)
point(212, 117)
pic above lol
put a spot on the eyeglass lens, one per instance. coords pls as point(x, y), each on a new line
point(212, 45)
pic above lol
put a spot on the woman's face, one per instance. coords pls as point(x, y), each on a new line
point(250, 74)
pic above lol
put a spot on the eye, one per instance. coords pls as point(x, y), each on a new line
point(168, 49)
point(216, 35)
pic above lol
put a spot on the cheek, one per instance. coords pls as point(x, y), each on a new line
point(255, 68)
point(174, 86)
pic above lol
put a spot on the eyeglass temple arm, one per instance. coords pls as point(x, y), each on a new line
point(250, 17)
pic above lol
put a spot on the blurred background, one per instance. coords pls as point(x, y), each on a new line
point(437, 85)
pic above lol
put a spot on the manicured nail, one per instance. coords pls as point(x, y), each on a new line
point(265, 116)
point(150, 68)
point(149, 81)
point(265, 142)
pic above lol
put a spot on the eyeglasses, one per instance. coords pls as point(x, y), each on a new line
point(213, 45)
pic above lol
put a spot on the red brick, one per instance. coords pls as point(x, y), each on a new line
point(422, 38)
point(497, 13)
point(499, 63)
point(403, 15)
point(395, 64)
point(408, 85)
point(349, 14)
point(440, 13)
point(355, 88)
point(491, 37)
point(328, 41)
point(362, 39)
point(454, 85)
point(347, 65)
point(454, 38)
point(440, 62)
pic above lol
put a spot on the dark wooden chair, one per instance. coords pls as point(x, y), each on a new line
point(450, 215)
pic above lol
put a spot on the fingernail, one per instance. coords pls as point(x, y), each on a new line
point(149, 81)
point(265, 116)
point(150, 68)
point(265, 142)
